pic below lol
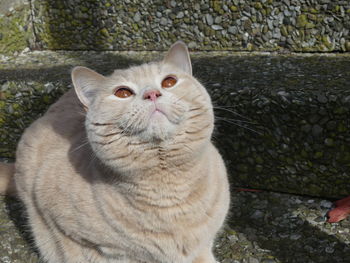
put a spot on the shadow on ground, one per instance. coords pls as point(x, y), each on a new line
point(18, 215)
point(16, 244)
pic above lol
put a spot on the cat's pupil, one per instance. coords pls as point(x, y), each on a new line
point(123, 92)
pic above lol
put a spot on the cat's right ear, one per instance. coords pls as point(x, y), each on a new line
point(179, 56)
point(86, 84)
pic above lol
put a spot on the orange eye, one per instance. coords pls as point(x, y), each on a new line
point(123, 92)
point(169, 82)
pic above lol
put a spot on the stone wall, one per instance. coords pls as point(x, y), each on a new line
point(266, 25)
point(282, 122)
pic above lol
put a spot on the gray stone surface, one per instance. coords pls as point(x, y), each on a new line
point(15, 241)
point(7, 5)
point(273, 125)
point(298, 25)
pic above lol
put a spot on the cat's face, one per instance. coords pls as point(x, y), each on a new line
point(153, 103)
point(150, 101)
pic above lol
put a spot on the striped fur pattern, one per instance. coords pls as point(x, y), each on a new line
point(113, 181)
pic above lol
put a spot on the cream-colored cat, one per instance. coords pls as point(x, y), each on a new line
point(125, 171)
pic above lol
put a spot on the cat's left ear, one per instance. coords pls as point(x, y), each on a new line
point(86, 83)
point(179, 56)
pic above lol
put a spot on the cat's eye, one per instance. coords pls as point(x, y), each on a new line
point(123, 92)
point(169, 82)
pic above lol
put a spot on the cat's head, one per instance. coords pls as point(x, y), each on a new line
point(153, 103)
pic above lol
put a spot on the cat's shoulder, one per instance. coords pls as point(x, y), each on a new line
point(63, 119)
point(67, 105)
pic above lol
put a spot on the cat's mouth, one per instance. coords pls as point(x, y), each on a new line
point(155, 121)
point(157, 112)
point(159, 124)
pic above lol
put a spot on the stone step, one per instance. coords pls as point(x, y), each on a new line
point(283, 122)
point(263, 227)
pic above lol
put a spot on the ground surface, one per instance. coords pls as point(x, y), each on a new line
point(262, 227)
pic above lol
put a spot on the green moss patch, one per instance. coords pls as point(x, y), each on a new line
point(15, 30)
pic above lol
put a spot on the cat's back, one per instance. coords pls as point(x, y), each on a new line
point(62, 119)
point(50, 135)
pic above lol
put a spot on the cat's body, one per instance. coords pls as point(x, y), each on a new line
point(103, 193)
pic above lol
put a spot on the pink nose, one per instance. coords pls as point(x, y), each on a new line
point(151, 95)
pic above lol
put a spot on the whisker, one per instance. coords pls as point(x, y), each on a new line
point(233, 106)
point(233, 112)
point(80, 146)
point(214, 138)
point(243, 121)
point(242, 126)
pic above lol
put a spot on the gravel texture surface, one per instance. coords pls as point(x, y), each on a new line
point(297, 25)
point(282, 121)
point(262, 227)
point(272, 227)
point(289, 25)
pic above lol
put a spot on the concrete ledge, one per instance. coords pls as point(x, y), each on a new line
point(283, 122)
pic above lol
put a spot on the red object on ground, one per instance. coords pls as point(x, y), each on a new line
point(341, 210)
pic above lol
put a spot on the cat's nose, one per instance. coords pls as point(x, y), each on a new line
point(151, 95)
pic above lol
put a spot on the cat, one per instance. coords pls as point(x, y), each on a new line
point(122, 169)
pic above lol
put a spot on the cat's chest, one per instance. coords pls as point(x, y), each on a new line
point(172, 235)
point(155, 251)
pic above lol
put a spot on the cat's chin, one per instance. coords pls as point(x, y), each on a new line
point(158, 129)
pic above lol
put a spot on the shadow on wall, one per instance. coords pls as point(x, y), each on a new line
point(72, 25)
point(104, 63)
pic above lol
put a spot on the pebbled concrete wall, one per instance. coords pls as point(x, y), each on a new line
point(296, 25)
point(266, 25)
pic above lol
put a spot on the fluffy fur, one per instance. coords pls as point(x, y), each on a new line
point(108, 179)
